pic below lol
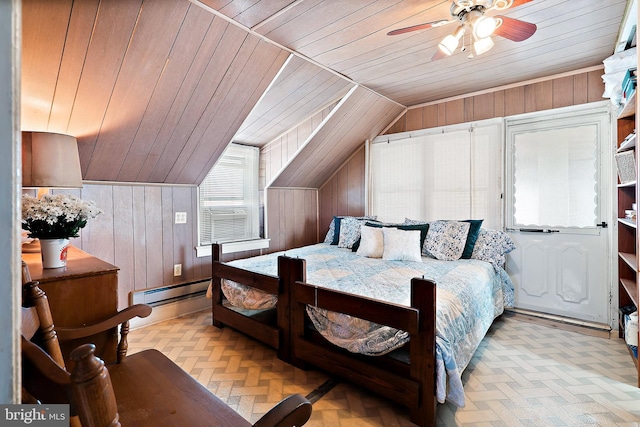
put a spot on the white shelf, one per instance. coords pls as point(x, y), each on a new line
point(628, 143)
point(629, 108)
point(628, 222)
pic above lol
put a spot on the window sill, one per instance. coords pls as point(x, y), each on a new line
point(231, 247)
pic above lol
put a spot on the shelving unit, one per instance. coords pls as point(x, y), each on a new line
point(628, 246)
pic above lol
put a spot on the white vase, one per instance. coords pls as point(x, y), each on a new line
point(54, 252)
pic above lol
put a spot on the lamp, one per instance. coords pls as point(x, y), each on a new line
point(479, 27)
point(49, 160)
point(481, 46)
point(484, 26)
point(449, 44)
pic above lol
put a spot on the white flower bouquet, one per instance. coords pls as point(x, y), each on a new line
point(56, 216)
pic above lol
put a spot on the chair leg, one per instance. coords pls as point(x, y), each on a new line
point(294, 410)
point(123, 345)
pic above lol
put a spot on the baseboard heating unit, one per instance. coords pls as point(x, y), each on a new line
point(171, 301)
point(169, 294)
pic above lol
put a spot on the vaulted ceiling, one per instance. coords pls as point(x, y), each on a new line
point(155, 90)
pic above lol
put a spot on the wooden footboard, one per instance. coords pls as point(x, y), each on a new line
point(409, 382)
point(270, 327)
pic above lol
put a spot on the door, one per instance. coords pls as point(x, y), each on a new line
point(558, 207)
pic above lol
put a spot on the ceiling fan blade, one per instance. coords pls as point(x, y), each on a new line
point(517, 3)
point(515, 29)
point(418, 27)
point(439, 54)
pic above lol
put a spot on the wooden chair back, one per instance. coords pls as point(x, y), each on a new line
point(37, 322)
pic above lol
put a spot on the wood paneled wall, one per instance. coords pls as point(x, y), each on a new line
point(292, 217)
point(558, 92)
point(275, 155)
point(360, 115)
point(292, 213)
point(137, 233)
point(343, 193)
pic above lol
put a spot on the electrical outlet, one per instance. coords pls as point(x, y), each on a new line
point(177, 270)
point(181, 217)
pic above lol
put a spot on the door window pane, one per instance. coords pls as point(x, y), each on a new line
point(555, 174)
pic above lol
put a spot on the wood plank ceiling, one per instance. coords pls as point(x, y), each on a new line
point(155, 90)
point(350, 38)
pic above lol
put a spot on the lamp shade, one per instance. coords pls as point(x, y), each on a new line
point(50, 160)
point(484, 26)
point(483, 45)
point(449, 44)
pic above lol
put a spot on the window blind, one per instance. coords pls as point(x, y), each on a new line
point(453, 173)
point(228, 197)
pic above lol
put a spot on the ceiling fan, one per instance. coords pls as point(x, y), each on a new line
point(471, 14)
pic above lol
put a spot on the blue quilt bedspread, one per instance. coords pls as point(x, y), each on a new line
point(470, 295)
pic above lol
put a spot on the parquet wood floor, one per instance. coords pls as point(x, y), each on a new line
point(522, 374)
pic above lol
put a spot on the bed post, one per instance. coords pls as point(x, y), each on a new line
point(289, 270)
point(296, 272)
point(216, 283)
point(423, 351)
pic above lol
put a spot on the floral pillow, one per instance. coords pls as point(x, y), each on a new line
point(472, 236)
point(446, 240)
point(349, 232)
point(333, 235)
point(414, 221)
point(401, 245)
point(371, 242)
point(492, 246)
point(332, 228)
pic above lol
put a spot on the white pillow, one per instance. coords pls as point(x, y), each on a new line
point(371, 242)
point(401, 245)
point(446, 239)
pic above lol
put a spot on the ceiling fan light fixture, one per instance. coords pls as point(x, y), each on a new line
point(449, 44)
point(484, 26)
point(481, 46)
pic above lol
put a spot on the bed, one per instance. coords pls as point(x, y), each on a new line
point(249, 296)
point(394, 342)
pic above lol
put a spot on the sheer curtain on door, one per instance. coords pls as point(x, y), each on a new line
point(441, 173)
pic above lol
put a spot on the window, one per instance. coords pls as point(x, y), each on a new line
point(555, 170)
point(228, 197)
point(444, 173)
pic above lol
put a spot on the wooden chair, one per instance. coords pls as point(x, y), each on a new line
point(143, 389)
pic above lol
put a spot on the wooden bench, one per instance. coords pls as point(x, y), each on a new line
point(143, 389)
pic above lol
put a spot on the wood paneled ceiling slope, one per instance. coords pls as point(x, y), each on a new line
point(155, 90)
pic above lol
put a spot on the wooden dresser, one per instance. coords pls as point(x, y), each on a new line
point(83, 292)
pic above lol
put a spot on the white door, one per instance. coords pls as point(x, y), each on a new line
point(558, 208)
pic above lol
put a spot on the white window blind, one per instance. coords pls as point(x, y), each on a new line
point(228, 197)
point(452, 173)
